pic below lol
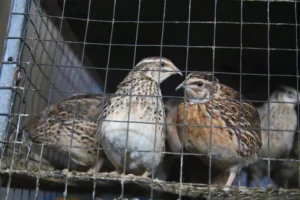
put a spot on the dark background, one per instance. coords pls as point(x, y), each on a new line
point(257, 62)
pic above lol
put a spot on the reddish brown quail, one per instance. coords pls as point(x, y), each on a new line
point(73, 119)
point(137, 101)
point(235, 133)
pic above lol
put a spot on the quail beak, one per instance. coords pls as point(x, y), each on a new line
point(173, 69)
point(182, 85)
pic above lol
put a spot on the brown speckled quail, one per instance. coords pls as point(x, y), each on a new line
point(138, 96)
point(281, 119)
point(235, 133)
point(73, 117)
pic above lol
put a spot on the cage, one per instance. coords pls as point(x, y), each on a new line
point(57, 49)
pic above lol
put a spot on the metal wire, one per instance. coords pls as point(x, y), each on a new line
point(184, 115)
point(32, 65)
point(269, 163)
point(297, 82)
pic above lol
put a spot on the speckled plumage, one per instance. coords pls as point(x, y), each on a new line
point(77, 115)
point(235, 134)
point(142, 136)
point(282, 124)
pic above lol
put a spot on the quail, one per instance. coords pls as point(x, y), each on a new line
point(286, 173)
point(172, 137)
point(214, 110)
point(171, 163)
point(73, 119)
point(281, 120)
point(173, 143)
point(132, 123)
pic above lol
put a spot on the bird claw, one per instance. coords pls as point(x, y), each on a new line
point(28, 149)
point(145, 175)
point(27, 152)
point(129, 176)
point(123, 175)
point(114, 173)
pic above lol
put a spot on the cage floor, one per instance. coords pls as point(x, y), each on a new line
point(41, 174)
point(56, 179)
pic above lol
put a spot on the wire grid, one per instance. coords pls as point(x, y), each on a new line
point(29, 54)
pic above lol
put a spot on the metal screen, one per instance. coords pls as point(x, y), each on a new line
point(47, 60)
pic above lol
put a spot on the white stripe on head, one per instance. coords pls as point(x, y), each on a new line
point(195, 79)
point(155, 59)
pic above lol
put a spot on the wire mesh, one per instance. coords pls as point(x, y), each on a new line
point(63, 57)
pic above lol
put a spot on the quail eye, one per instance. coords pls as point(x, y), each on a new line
point(200, 84)
point(162, 64)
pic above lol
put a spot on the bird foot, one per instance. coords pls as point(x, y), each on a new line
point(230, 178)
point(92, 170)
point(28, 148)
point(28, 152)
point(97, 167)
point(145, 175)
point(129, 176)
point(114, 173)
point(65, 172)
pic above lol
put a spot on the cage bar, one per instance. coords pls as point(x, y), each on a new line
point(10, 64)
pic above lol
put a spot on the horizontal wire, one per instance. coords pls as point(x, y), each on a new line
point(154, 96)
point(154, 45)
point(49, 145)
point(129, 69)
point(285, 1)
point(157, 22)
point(153, 123)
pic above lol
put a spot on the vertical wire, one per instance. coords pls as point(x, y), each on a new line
point(2, 60)
point(159, 97)
point(22, 91)
point(76, 102)
point(49, 96)
point(297, 82)
point(184, 100)
point(240, 90)
point(31, 48)
point(105, 83)
point(18, 124)
point(25, 26)
point(129, 109)
point(268, 64)
point(212, 99)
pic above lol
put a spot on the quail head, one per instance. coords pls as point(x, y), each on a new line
point(214, 114)
point(133, 118)
point(281, 121)
point(71, 120)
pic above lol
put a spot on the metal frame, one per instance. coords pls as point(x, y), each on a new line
point(9, 64)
